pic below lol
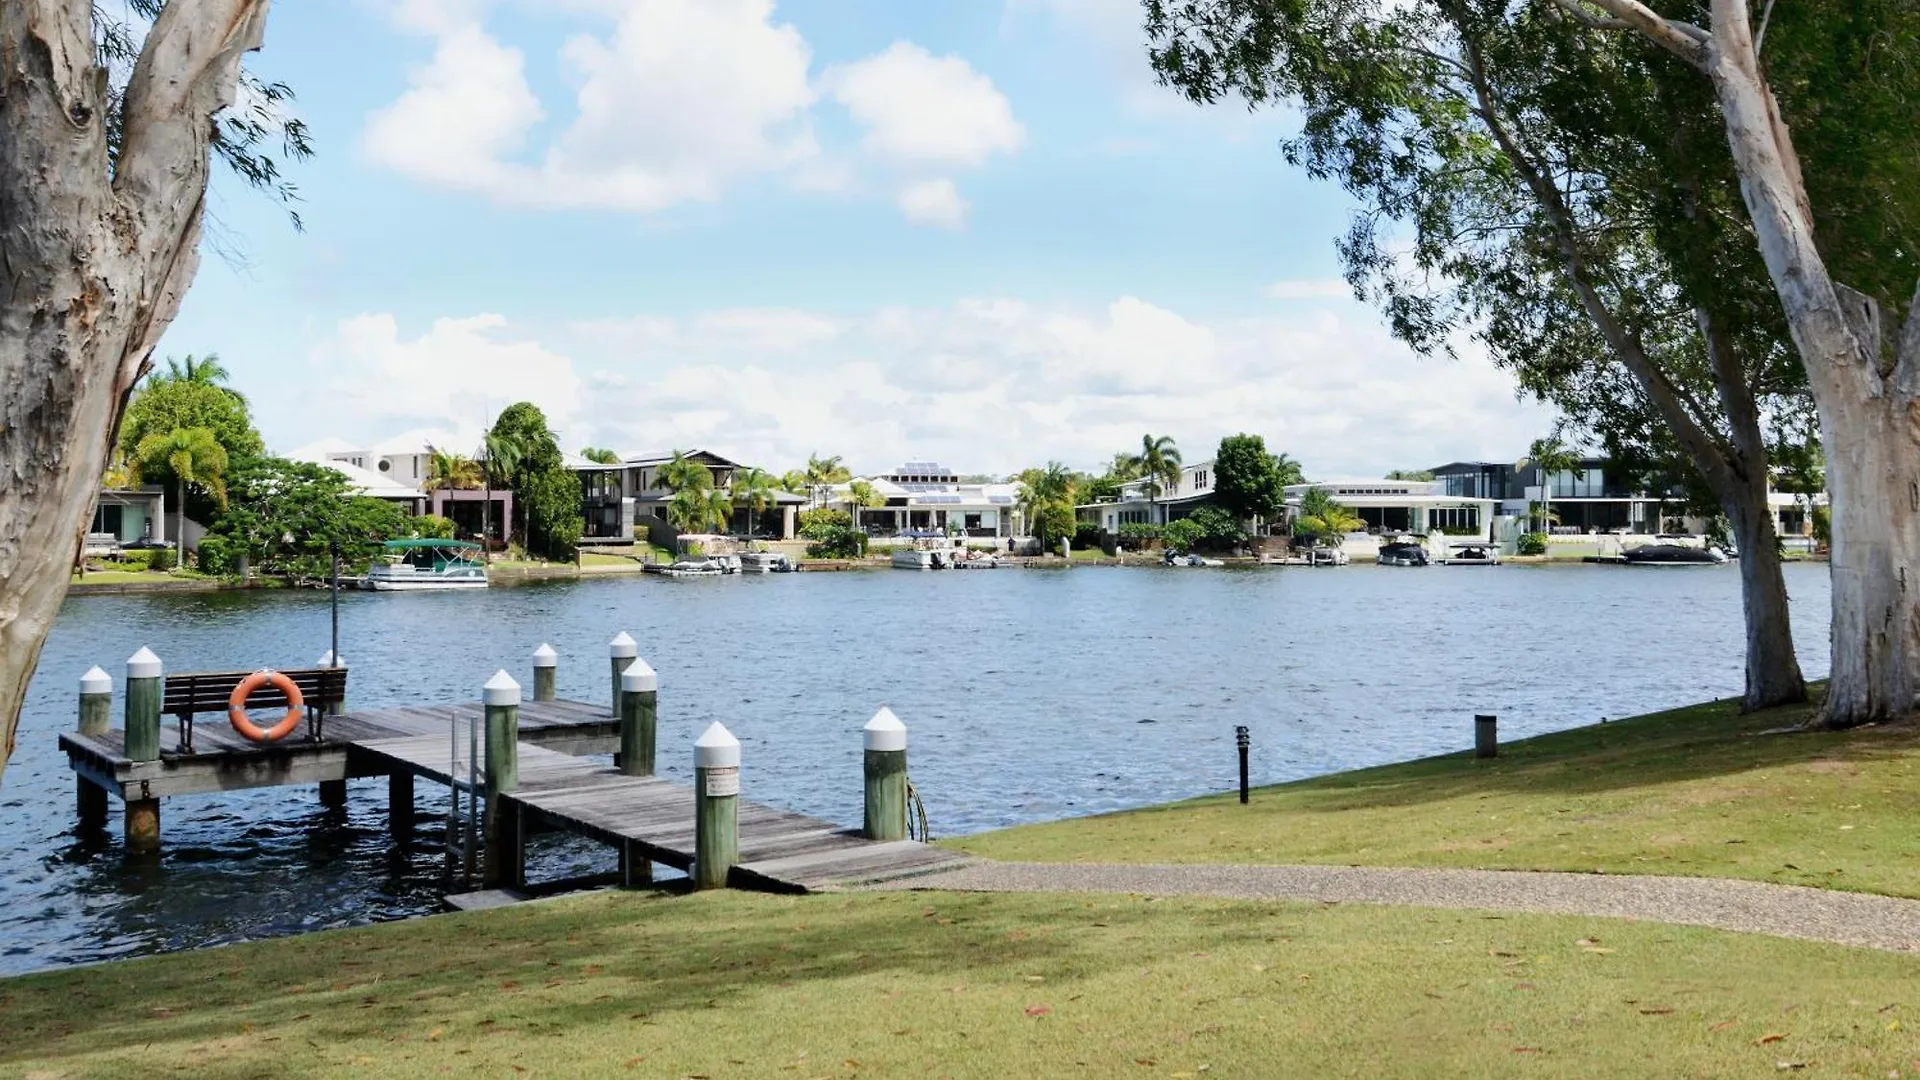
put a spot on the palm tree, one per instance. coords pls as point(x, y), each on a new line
point(1159, 462)
point(452, 472)
point(1289, 470)
point(202, 372)
point(1324, 519)
point(501, 453)
point(861, 495)
point(1552, 457)
point(600, 455)
point(195, 457)
point(795, 482)
point(682, 473)
point(718, 509)
point(754, 489)
point(1042, 490)
point(699, 509)
point(822, 473)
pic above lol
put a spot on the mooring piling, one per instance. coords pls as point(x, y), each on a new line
point(505, 865)
point(144, 689)
point(96, 716)
point(639, 717)
point(1486, 736)
point(333, 793)
point(545, 661)
point(621, 651)
point(885, 741)
point(716, 813)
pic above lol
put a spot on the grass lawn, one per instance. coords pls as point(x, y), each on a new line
point(1697, 791)
point(930, 985)
point(124, 577)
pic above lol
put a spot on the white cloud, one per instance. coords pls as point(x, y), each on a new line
point(918, 108)
point(933, 202)
point(1308, 289)
point(455, 376)
point(675, 101)
point(680, 98)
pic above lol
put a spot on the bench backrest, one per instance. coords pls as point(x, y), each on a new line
point(190, 692)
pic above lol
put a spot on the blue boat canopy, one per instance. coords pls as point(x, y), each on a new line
point(414, 543)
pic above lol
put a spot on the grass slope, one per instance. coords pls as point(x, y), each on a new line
point(1697, 791)
point(930, 985)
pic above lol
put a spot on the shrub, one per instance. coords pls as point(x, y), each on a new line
point(1532, 543)
point(161, 559)
point(214, 556)
point(1218, 528)
point(1184, 534)
point(823, 523)
point(1137, 535)
point(432, 526)
point(842, 543)
point(1087, 534)
point(134, 560)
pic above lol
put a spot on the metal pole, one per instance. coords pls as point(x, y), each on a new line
point(1242, 738)
point(334, 546)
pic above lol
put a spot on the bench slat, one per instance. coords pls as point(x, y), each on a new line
point(191, 692)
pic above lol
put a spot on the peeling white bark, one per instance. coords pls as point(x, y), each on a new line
point(92, 269)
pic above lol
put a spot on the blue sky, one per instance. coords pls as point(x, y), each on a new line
point(967, 230)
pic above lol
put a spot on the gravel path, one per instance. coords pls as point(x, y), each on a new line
point(1875, 922)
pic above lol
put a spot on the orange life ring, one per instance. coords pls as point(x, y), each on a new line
point(237, 707)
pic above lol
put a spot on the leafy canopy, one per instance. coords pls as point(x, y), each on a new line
point(284, 515)
point(1247, 480)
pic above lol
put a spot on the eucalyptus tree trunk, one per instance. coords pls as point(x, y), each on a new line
point(1867, 390)
point(97, 255)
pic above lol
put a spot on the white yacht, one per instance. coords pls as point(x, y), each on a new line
point(419, 565)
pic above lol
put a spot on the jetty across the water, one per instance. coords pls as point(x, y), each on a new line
point(520, 767)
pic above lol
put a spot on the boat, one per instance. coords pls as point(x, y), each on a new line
point(766, 562)
point(1320, 556)
point(1181, 558)
point(422, 564)
point(1673, 555)
point(687, 568)
point(977, 560)
point(1472, 555)
point(928, 555)
point(1402, 553)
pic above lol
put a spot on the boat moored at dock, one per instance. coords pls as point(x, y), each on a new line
point(426, 564)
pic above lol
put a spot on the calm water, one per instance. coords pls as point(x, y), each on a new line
point(1029, 696)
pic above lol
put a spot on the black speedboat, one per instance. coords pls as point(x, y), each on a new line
point(1673, 555)
point(1402, 554)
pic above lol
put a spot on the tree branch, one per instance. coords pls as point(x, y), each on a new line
point(1683, 39)
point(1730, 382)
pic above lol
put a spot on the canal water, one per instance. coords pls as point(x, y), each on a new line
point(1030, 695)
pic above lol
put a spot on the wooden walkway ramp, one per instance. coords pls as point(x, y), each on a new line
point(653, 819)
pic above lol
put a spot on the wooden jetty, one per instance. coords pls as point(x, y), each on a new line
point(543, 778)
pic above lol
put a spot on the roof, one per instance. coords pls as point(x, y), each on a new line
point(366, 481)
point(322, 449)
point(424, 441)
point(658, 457)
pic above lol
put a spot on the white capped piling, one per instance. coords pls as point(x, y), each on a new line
point(501, 696)
point(885, 740)
point(145, 679)
point(639, 717)
point(96, 717)
point(620, 651)
point(716, 796)
point(545, 661)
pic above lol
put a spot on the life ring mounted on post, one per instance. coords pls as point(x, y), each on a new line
point(237, 707)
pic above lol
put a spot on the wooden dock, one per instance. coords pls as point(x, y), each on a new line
point(644, 818)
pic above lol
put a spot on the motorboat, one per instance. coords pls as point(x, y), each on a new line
point(1402, 553)
point(1673, 555)
point(1320, 556)
point(1472, 555)
point(423, 564)
point(1181, 558)
point(766, 562)
point(688, 568)
point(929, 555)
point(977, 560)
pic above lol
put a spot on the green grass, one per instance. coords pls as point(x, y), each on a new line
point(737, 986)
point(123, 577)
point(1697, 791)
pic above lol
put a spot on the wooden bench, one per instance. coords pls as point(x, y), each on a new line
point(191, 692)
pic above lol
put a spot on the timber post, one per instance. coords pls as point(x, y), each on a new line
point(505, 865)
point(885, 739)
point(639, 725)
point(333, 793)
point(639, 717)
point(96, 716)
point(545, 663)
point(716, 810)
point(145, 679)
point(621, 651)
point(1486, 736)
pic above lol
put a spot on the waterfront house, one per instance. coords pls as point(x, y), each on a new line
point(626, 502)
point(123, 516)
point(926, 497)
point(397, 470)
point(1391, 507)
point(1170, 502)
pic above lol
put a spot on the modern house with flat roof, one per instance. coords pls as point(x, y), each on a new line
point(928, 498)
point(1171, 502)
point(123, 516)
point(397, 470)
point(1419, 507)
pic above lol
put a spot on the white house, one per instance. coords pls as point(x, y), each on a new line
point(927, 497)
point(1405, 506)
point(1168, 502)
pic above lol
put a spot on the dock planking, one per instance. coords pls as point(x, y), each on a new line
point(653, 819)
point(560, 788)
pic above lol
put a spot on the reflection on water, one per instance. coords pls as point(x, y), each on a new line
point(1030, 695)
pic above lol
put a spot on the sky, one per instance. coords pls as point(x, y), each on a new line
point(967, 231)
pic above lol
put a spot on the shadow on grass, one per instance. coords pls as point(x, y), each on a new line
point(607, 959)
